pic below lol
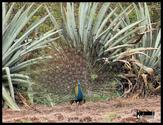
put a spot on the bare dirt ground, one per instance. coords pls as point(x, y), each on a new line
point(117, 110)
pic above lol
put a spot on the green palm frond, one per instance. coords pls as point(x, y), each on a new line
point(14, 49)
point(98, 33)
point(151, 38)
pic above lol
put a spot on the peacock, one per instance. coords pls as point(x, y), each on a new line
point(79, 96)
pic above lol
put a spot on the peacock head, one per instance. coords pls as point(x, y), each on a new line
point(78, 82)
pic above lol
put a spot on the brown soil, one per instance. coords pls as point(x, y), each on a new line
point(117, 110)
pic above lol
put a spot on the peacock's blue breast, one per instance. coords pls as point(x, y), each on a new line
point(80, 94)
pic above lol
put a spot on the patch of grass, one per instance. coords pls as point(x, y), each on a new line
point(23, 121)
point(96, 97)
point(44, 99)
point(101, 96)
point(49, 98)
point(110, 116)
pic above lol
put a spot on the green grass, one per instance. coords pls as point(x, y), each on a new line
point(100, 96)
point(51, 99)
point(110, 116)
point(23, 121)
point(43, 96)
